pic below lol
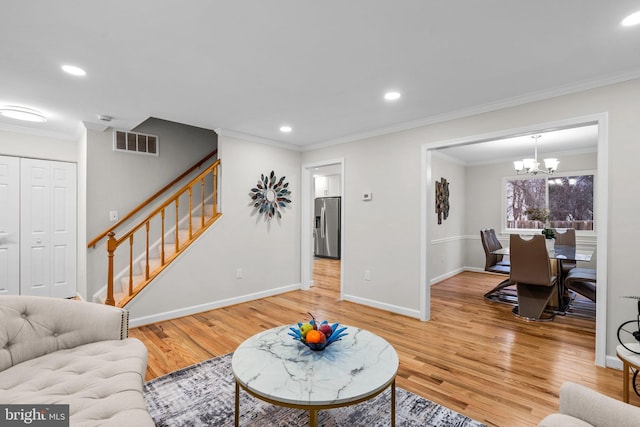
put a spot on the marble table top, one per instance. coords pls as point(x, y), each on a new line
point(275, 366)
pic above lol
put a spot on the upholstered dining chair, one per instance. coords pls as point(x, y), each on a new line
point(582, 281)
point(495, 264)
point(566, 237)
point(533, 276)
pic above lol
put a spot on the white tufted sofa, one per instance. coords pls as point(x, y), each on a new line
point(582, 407)
point(56, 351)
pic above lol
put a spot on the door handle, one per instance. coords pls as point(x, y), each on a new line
point(322, 223)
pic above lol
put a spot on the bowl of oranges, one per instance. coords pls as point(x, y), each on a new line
point(317, 335)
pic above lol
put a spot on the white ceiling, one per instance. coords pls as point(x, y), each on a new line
point(553, 143)
point(322, 67)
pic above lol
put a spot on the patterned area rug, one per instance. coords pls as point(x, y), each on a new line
point(203, 395)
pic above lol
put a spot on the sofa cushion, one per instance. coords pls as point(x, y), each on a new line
point(34, 326)
point(562, 420)
point(101, 381)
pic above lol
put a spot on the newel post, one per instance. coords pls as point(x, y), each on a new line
point(111, 248)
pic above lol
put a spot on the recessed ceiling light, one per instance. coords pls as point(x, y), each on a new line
point(391, 96)
point(633, 19)
point(285, 129)
point(73, 70)
point(22, 113)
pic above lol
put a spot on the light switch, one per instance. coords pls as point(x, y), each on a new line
point(113, 216)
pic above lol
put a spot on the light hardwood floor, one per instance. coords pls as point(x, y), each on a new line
point(473, 356)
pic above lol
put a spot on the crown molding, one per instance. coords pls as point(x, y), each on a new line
point(37, 132)
point(100, 127)
point(257, 139)
point(528, 98)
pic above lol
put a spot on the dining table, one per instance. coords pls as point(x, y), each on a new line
point(560, 253)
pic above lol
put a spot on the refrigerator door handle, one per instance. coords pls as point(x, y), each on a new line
point(323, 224)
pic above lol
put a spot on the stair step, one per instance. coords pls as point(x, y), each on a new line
point(124, 282)
point(154, 263)
point(183, 234)
point(169, 250)
point(196, 222)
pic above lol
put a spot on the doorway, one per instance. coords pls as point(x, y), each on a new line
point(327, 227)
point(322, 254)
point(601, 213)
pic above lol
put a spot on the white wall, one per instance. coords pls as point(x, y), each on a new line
point(267, 252)
point(381, 235)
point(389, 166)
point(37, 147)
point(447, 252)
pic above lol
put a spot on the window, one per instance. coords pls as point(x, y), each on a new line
point(568, 199)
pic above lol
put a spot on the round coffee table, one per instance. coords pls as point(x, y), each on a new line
point(274, 367)
point(630, 362)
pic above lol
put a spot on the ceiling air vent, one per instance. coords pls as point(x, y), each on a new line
point(134, 142)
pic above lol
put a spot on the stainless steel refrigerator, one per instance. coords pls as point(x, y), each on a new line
point(326, 232)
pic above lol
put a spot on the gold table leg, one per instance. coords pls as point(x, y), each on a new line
point(237, 413)
point(625, 381)
point(313, 418)
point(393, 403)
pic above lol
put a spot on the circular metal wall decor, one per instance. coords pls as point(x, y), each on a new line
point(270, 194)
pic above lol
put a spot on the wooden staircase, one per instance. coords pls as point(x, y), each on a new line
point(160, 236)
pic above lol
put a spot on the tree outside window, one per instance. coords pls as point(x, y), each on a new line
point(569, 199)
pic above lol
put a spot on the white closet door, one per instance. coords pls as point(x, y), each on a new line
point(9, 225)
point(48, 228)
point(63, 229)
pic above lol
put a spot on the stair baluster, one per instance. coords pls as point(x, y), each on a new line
point(152, 267)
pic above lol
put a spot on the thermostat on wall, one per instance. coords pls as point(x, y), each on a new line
point(367, 196)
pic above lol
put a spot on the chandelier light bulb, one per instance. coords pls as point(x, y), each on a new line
point(532, 166)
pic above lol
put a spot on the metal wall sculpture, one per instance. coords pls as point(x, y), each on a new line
point(442, 199)
point(269, 195)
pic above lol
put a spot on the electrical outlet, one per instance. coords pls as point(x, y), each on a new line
point(238, 273)
point(367, 275)
point(113, 216)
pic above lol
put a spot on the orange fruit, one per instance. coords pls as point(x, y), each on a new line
point(313, 336)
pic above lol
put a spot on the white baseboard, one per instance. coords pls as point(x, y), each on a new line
point(186, 311)
point(446, 276)
point(613, 362)
point(383, 306)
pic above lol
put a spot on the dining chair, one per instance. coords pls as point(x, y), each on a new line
point(566, 237)
point(495, 245)
point(493, 262)
point(532, 273)
point(496, 264)
point(582, 281)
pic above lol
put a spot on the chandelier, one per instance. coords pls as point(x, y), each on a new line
point(531, 166)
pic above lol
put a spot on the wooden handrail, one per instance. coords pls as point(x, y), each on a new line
point(113, 243)
point(168, 202)
point(92, 243)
